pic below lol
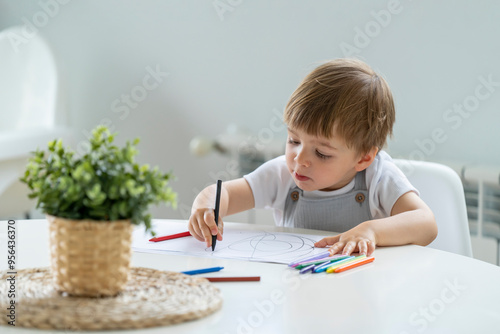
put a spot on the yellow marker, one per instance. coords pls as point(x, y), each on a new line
point(332, 268)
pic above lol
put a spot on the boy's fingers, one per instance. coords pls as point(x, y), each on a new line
point(209, 218)
point(327, 241)
point(208, 241)
point(207, 235)
point(195, 230)
point(221, 229)
point(320, 244)
point(371, 248)
point(204, 228)
point(363, 248)
point(335, 248)
point(349, 247)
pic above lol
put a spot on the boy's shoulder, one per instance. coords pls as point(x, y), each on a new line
point(384, 174)
point(382, 163)
point(272, 168)
point(270, 182)
point(278, 163)
point(386, 183)
point(384, 170)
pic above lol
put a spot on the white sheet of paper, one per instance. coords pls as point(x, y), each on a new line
point(237, 243)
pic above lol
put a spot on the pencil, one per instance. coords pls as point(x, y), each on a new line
point(217, 203)
point(234, 279)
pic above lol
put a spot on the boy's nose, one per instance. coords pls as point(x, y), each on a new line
point(302, 159)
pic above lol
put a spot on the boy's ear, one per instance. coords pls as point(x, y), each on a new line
point(366, 159)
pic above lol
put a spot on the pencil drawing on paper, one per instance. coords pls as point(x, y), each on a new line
point(238, 244)
point(268, 245)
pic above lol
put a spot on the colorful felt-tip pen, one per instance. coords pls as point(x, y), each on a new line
point(307, 269)
point(322, 267)
point(354, 264)
point(309, 259)
point(326, 259)
point(234, 279)
point(172, 236)
point(202, 271)
point(307, 264)
point(336, 265)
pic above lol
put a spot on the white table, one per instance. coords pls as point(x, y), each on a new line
point(408, 289)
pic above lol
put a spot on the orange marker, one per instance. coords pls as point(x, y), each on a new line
point(354, 264)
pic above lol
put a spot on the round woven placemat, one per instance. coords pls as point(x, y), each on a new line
point(151, 298)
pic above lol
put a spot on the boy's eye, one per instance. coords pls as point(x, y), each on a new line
point(322, 156)
point(293, 142)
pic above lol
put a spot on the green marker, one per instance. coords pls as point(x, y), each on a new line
point(325, 260)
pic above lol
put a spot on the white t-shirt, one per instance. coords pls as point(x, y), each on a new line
point(385, 182)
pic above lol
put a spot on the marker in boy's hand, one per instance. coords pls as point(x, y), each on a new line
point(202, 225)
point(202, 221)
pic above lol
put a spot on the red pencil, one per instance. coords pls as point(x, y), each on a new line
point(234, 279)
point(173, 236)
point(355, 264)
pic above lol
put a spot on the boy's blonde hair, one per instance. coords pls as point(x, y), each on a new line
point(345, 96)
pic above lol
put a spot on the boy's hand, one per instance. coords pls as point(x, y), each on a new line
point(202, 225)
point(359, 239)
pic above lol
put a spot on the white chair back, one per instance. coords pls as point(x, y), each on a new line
point(30, 110)
point(28, 84)
point(441, 189)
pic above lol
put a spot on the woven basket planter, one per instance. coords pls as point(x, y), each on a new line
point(90, 258)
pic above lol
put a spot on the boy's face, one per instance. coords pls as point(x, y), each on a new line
point(318, 163)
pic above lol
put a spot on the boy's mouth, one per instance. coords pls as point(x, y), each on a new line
point(301, 177)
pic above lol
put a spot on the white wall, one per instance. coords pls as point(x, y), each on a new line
point(237, 70)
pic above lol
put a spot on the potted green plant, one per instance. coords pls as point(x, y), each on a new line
point(92, 202)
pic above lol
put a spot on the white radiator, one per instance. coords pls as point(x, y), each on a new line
point(482, 196)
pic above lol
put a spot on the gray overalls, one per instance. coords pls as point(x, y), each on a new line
point(337, 214)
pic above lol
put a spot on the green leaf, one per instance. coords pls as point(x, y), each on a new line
point(103, 184)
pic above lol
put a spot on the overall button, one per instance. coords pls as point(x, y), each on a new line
point(294, 195)
point(360, 197)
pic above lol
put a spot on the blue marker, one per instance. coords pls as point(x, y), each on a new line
point(202, 271)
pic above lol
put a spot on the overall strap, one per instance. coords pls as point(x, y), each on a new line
point(360, 180)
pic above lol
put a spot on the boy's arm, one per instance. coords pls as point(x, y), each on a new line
point(236, 196)
point(411, 222)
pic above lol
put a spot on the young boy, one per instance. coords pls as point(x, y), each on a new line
point(333, 175)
